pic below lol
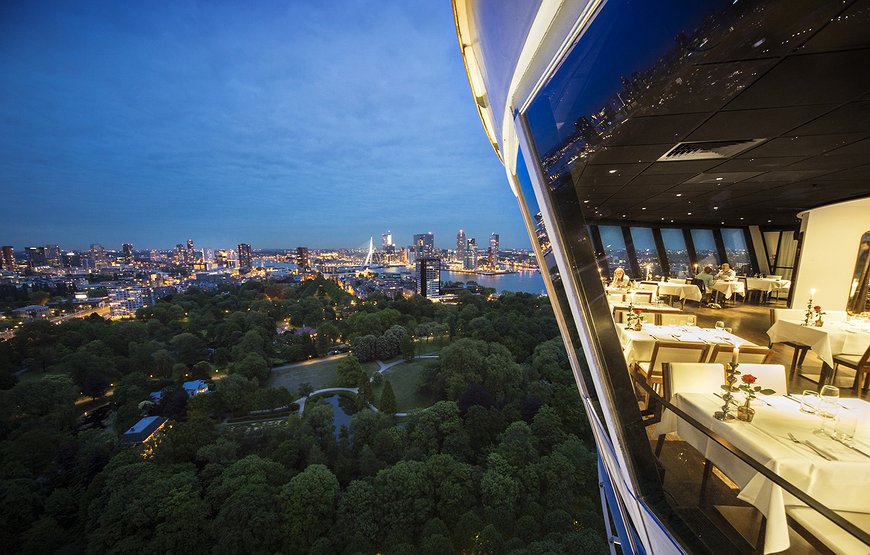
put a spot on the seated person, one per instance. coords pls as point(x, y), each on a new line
point(726, 273)
point(620, 279)
point(706, 276)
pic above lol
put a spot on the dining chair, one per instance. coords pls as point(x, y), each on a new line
point(688, 377)
point(681, 281)
point(835, 316)
point(615, 297)
point(749, 355)
point(641, 296)
point(800, 349)
point(823, 535)
point(668, 351)
point(652, 286)
point(766, 375)
point(677, 319)
point(742, 279)
point(859, 363)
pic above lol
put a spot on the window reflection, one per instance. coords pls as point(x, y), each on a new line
point(705, 247)
point(645, 250)
point(675, 250)
point(737, 251)
point(614, 248)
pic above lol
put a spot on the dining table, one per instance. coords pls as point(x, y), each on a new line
point(637, 346)
point(729, 288)
point(683, 291)
point(832, 338)
point(767, 285)
point(840, 484)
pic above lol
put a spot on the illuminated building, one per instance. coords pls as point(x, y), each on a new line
point(424, 244)
point(7, 258)
point(126, 300)
point(98, 255)
point(52, 255)
point(428, 276)
point(387, 239)
point(493, 251)
point(36, 256)
point(70, 260)
point(127, 250)
point(470, 261)
point(460, 246)
point(303, 264)
point(246, 261)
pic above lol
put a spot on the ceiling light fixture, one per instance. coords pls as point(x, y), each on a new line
point(611, 171)
point(679, 194)
point(719, 178)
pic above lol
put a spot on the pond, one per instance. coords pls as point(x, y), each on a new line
point(343, 409)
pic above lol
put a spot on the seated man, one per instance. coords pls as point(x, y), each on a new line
point(620, 279)
point(726, 273)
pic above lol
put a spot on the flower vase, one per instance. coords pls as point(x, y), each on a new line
point(637, 325)
point(819, 323)
point(745, 412)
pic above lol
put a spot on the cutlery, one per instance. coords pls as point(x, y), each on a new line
point(811, 446)
point(852, 447)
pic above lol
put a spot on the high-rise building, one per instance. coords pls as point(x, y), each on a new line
point(98, 255)
point(189, 254)
point(303, 264)
point(127, 249)
point(222, 258)
point(493, 250)
point(460, 246)
point(246, 261)
point(424, 244)
point(125, 301)
point(428, 276)
point(36, 256)
point(470, 262)
point(70, 260)
point(387, 239)
point(52, 255)
point(7, 258)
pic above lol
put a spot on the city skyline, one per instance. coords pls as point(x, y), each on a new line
point(240, 123)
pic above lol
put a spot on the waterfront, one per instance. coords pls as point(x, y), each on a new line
point(527, 281)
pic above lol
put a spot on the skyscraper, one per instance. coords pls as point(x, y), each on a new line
point(302, 262)
point(189, 254)
point(98, 254)
point(470, 262)
point(460, 246)
point(246, 261)
point(36, 256)
point(7, 258)
point(493, 250)
point(424, 244)
point(428, 276)
point(52, 255)
point(127, 249)
point(387, 239)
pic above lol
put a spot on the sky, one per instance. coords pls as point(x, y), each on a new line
point(276, 124)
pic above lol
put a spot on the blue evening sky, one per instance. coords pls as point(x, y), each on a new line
point(273, 123)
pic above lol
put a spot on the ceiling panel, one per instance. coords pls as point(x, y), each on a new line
point(801, 146)
point(756, 124)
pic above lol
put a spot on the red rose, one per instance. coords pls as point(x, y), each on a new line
point(817, 308)
point(748, 378)
point(638, 311)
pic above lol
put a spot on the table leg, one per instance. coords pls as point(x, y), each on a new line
point(825, 375)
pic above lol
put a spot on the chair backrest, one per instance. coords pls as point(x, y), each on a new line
point(785, 314)
point(619, 314)
point(676, 351)
point(677, 319)
point(641, 296)
point(681, 281)
point(700, 284)
point(648, 286)
point(775, 277)
point(835, 316)
point(691, 377)
point(615, 297)
point(748, 355)
point(767, 375)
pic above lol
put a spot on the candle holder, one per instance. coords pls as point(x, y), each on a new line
point(725, 414)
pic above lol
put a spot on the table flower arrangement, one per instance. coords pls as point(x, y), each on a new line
point(635, 318)
point(818, 313)
point(744, 411)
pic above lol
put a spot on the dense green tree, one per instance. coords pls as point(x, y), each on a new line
point(253, 366)
point(349, 371)
point(310, 499)
point(39, 397)
point(365, 347)
point(387, 404)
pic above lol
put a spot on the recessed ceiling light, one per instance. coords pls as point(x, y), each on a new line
point(623, 215)
point(723, 223)
point(719, 178)
point(741, 218)
point(672, 221)
point(715, 208)
point(679, 194)
point(643, 208)
point(688, 213)
point(585, 202)
point(768, 221)
point(611, 171)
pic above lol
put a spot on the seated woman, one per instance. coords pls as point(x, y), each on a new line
point(726, 273)
point(706, 276)
point(620, 279)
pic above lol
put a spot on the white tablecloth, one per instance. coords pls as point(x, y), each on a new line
point(638, 345)
point(842, 485)
point(684, 291)
point(833, 338)
point(647, 307)
point(767, 285)
point(728, 288)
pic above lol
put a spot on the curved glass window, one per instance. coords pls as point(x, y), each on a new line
point(705, 247)
point(736, 250)
point(614, 248)
point(645, 250)
point(675, 250)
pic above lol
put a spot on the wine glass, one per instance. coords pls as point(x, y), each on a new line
point(720, 325)
point(809, 401)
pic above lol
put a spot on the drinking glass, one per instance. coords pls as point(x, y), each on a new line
point(727, 330)
point(691, 320)
point(720, 325)
point(828, 408)
point(809, 401)
point(845, 426)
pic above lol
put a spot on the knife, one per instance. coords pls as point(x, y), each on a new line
point(820, 451)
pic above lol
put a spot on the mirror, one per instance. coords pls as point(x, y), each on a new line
point(859, 292)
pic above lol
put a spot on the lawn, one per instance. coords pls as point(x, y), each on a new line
point(424, 347)
point(406, 379)
point(319, 373)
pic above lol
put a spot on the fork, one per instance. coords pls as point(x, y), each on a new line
point(810, 445)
